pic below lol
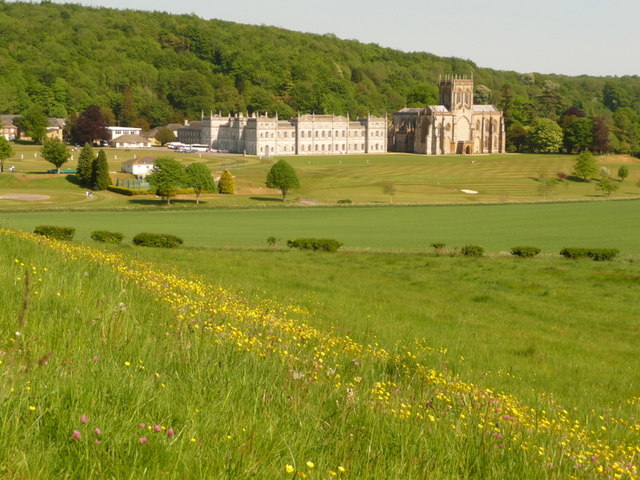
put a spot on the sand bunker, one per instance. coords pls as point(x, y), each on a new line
point(470, 192)
point(24, 196)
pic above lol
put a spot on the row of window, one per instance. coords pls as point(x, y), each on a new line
point(328, 148)
point(322, 133)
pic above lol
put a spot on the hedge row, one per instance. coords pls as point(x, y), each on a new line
point(53, 231)
point(597, 254)
point(163, 240)
point(323, 244)
point(525, 252)
point(104, 236)
point(129, 191)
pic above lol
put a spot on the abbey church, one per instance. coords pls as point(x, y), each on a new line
point(454, 126)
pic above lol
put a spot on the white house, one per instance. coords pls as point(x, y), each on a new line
point(130, 141)
point(115, 132)
point(140, 167)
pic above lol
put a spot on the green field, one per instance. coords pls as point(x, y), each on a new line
point(550, 226)
point(265, 364)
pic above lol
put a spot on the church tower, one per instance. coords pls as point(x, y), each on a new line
point(456, 93)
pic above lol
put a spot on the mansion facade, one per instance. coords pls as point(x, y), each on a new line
point(454, 126)
point(303, 135)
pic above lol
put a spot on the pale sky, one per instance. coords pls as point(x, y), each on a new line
point(571, 37)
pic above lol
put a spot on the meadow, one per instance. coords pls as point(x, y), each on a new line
point(325, 180)
point(228, 358)
point(131, 363)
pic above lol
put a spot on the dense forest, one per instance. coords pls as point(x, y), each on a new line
point(151, 68)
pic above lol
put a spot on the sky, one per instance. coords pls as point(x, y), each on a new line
point(569, 37)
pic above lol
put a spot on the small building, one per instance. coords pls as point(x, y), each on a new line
point(130, 141)
point(139, 167)
point(115, 132)
point(7, 129)
point(55, 128)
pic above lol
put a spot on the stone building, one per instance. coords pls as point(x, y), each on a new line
point(454, 126)
point(304, 135)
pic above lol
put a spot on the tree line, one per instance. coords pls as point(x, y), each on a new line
point(148, 69)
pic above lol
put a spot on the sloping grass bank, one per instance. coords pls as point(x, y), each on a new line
point(116, 368)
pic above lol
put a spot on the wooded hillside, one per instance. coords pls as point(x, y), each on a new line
point(150, 68)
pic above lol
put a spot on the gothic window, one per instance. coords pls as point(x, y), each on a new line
point(478, 125)
point(317, 147)
point(302, 133)
point(323, 147)
point(329, 133)
point(322, 133)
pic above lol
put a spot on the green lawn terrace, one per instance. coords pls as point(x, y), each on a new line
point(362, 179)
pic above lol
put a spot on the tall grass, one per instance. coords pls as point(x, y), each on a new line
point(185, 379)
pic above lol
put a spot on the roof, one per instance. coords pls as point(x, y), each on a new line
point(197, 124)
point(141, 161)
point(56, 122)
point(438, 108)
point(485, 108)
point(174, 126)
point(130, 139)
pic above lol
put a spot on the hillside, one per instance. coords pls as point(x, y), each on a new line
point(149, 68)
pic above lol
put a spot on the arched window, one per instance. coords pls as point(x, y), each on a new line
point(302, 133)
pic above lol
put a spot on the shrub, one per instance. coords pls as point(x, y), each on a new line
point(162, 240)
point(272, 241)
point(438, 245)
point(52, 231)
point(105, 236)
point(525, 252)
point(128, 191)
point(345, 201)
point(597, 254)
point(323, 244)
point(472, 251)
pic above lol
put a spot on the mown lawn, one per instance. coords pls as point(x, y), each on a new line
point(497, 228)
point(416, 179)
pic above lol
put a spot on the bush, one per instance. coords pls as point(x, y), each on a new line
point(525, 252)
point(162, 240)
point(52, 231)
point(345, 201)
point(105, 236)
point(128, 191)
point(597, 254)
point(472, 251)
point(323, 244)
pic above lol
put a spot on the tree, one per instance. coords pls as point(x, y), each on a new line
point(388, 188)
point(164, 136)
point(578, 136)
point(100, 179)
point(283, 177)
point(545, 135)
point(623, 172)
point(167, 177)
point(90, 126)
point(586, 165)
point(226, 184)
point(198, 177)
point(55, 152)
point(5, 151)
point(607, 186)
point(84, 169)
point(128, 111)
point(33, 124)
point(601, 142)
